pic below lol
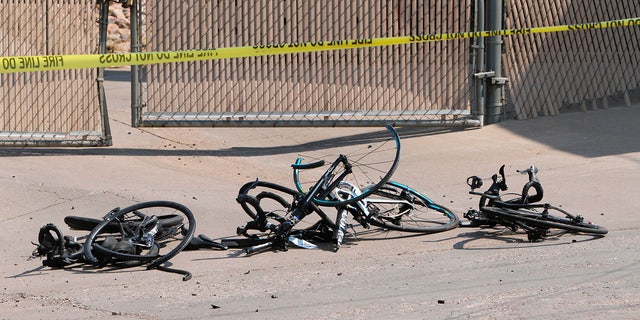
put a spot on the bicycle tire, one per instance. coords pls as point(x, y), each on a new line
point(371, 165)
point(283, 196)
point(537, 219)
point(416, 213)
point(88, 224)
point(173, 240)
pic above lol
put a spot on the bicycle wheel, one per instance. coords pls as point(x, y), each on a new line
point(398, 207)
point(275, 199)
point(552, 217)
point(141, 237)
point(367, 163)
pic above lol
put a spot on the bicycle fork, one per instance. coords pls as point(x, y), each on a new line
point(341, 228)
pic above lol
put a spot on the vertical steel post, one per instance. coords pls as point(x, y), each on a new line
point(479, 62)
point(103, 21)
point(135, 79)
point(494, 61)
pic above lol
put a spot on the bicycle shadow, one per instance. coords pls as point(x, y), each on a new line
point(505, 238)
point(80, 268)
point(379, 233)
point(502, 239)
point(37, 271)
point(352, 238)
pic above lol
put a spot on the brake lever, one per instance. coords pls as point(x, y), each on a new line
point(531, 172)
point(503, 183)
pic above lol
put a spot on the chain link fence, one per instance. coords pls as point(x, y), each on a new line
point(53, 107)
point(418, 84)
point(578, 70)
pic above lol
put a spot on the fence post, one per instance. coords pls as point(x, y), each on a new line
point(479, 62)
point(135, 46)
point(102, 49)
point(494, 62)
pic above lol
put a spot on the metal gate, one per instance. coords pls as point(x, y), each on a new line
point(418, 84)
point(54, 107)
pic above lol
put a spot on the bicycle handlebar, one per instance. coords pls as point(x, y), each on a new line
point(259, 247)
point(499, 184)
point(490, 196)
point(260, 223)
point(299, 165)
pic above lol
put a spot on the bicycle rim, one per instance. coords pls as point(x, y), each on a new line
point(557, 219)
point(398, 207)
point(372, 163)
point(103, 247)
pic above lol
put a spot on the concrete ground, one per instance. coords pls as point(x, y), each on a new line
point(589, 163)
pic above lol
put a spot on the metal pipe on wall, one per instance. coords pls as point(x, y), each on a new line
point(494, 62)
point(135, 47)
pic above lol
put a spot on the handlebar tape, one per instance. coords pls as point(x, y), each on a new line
point(311, 165)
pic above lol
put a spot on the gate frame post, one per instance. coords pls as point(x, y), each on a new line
point(102, 49)
point(478, 64)
point(495, 92)
point(135, 47)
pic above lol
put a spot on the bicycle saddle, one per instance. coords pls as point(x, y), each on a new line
point(204, 242)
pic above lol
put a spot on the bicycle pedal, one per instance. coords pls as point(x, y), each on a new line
point(471, 214)
point(470, 224)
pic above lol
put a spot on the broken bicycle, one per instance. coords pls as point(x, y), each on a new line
point(356, 183)
point(524, 211)
point(147, 233)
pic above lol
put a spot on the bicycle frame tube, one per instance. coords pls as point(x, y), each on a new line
point(348, 166)
point(321, 190)
point(430, 204)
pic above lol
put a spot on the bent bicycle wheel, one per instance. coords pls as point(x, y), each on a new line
point(398, 207)
point(554, 217)
point(140, 235)
point(367, 162)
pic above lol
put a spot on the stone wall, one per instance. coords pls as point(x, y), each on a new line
point(118, 32)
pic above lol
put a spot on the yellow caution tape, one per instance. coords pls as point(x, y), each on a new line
point(64, 62)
